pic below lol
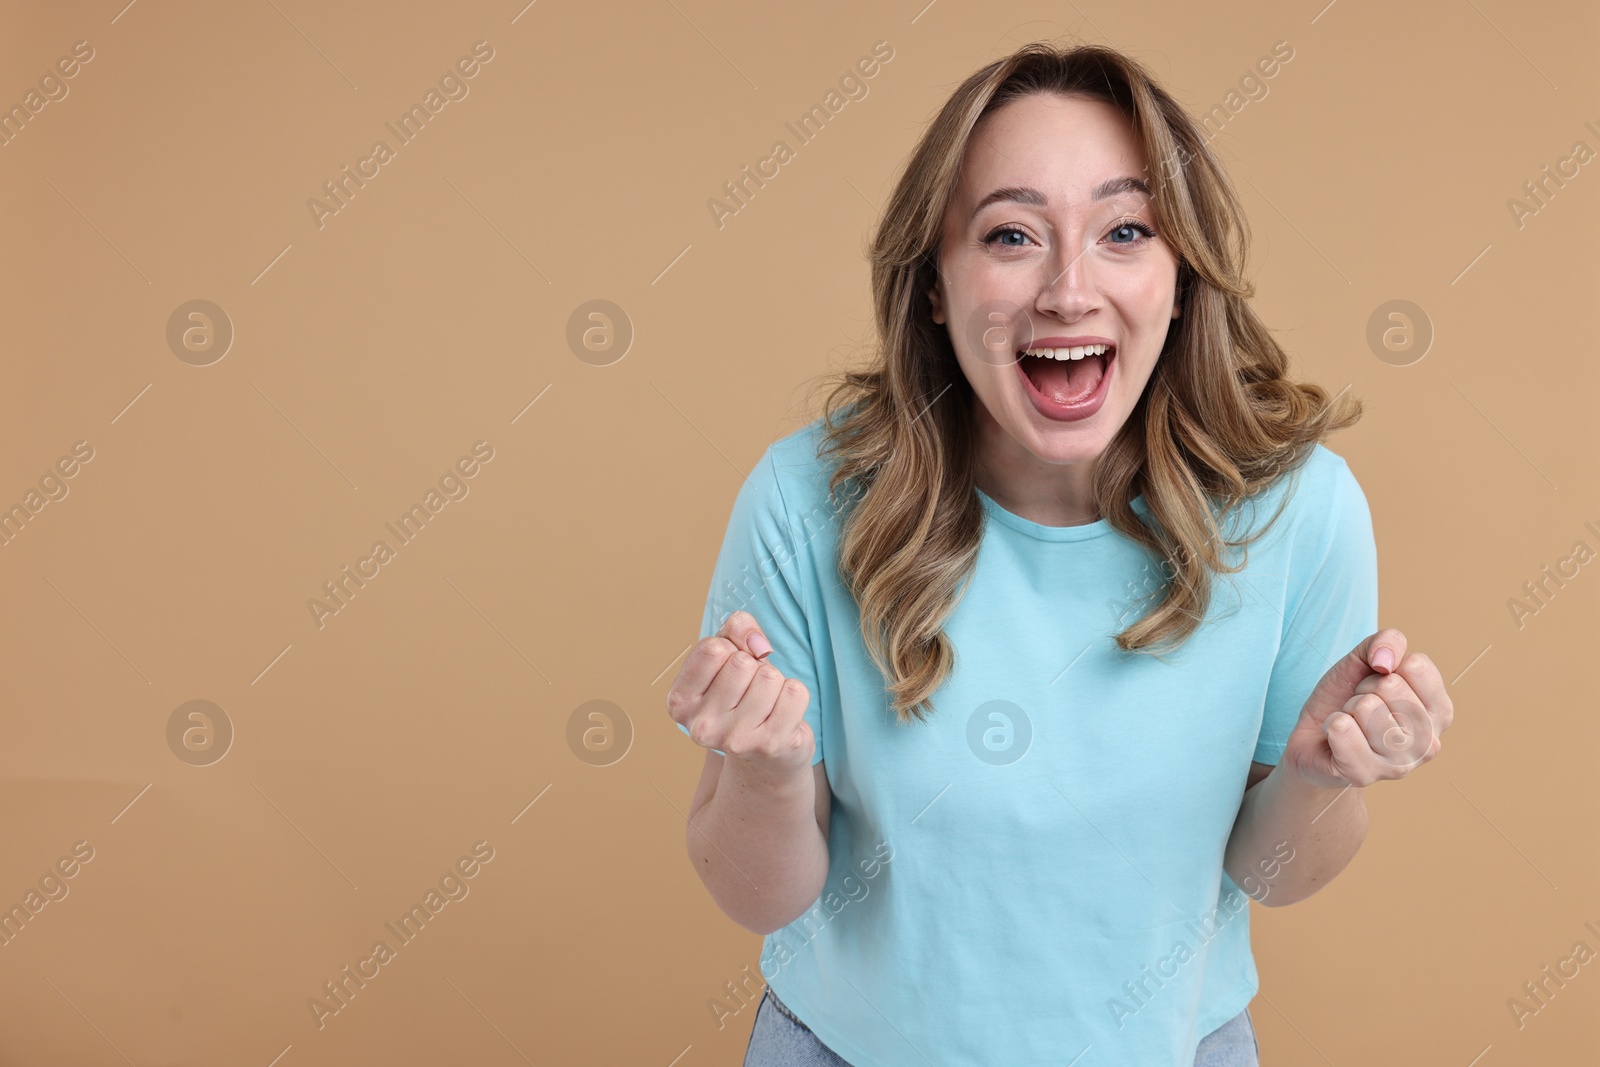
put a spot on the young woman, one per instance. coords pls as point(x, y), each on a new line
point(996, 761)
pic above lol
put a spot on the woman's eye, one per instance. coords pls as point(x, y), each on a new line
point(1003, 232)
point(1129, 232)
point(1131, 229)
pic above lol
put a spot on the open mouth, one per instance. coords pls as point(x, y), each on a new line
point(1067, 375)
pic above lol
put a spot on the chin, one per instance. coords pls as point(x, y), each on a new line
point(1058, 442)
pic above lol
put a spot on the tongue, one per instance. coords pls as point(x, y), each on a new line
point(1065, 381)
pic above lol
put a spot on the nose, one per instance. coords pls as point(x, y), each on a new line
point(1067, 286)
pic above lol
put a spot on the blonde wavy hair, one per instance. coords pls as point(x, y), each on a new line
point(1217, 421)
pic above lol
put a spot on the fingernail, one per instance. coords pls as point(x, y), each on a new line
point(1383, 659)
point(758, 645)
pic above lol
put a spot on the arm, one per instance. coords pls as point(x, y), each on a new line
point(760, 847)
point(758, 823)
point(1294, 832)
point(1291, 838)
point(1368, 720)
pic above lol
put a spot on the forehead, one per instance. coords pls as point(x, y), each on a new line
point(1062, 145)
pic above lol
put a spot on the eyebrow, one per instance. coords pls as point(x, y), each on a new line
point(1022, 194)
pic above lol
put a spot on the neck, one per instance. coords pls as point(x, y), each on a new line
point(1051, 494)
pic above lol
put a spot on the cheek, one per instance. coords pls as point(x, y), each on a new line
point(1146, 298)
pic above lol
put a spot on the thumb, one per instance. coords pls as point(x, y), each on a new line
point(1383, 650)
point(743, 630)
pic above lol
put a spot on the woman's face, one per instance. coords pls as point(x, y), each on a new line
point(1050, 242)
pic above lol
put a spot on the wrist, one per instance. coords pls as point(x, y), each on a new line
point(1290, 786)
point(762, 776)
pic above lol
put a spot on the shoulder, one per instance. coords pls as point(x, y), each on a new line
point(1327, 469)
point(799, 474)
point(1311, 503)
point(797, 449)
point(1329, 489)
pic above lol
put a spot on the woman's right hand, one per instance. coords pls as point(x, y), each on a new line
point(729, 699)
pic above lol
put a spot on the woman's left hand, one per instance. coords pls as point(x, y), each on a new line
point(1376, 715)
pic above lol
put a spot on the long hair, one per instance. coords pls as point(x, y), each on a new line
point(1217, 421)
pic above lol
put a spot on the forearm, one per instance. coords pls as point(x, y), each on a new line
point(1290, 838)
point(758, 849)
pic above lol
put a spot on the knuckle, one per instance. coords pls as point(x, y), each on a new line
point(698, 733)
point(1392, 686)
point(713, 647)
point(676, 703)
point(1418, 660)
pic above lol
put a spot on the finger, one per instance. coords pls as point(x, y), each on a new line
point(1395, 726)
point(742, 629)
point(1384, 649)
point(700, 668)
point(749, 723)
point(787, 726)
point(1352, 755)
point(1371, 715)
point(1425, 680)
point(1388, 686)
point(728, 688)
point(788, 718)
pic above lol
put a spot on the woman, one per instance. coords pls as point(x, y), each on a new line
point(1050, 757)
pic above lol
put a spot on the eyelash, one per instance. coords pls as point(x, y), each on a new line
point(1132, 224)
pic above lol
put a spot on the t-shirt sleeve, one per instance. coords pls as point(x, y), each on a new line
point(1333, 602)
point(759, 571)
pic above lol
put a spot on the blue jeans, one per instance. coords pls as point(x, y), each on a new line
point(778, 1039)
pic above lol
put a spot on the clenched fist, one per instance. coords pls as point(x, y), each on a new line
point(1376, 715)
point(728, 699)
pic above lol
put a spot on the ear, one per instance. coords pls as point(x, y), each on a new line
point(938, 310)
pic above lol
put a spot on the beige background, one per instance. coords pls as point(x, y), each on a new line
point(432, 311)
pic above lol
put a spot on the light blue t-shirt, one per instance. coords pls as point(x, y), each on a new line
point(1035, 873)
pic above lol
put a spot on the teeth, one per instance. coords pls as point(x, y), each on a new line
point(1077, 352)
